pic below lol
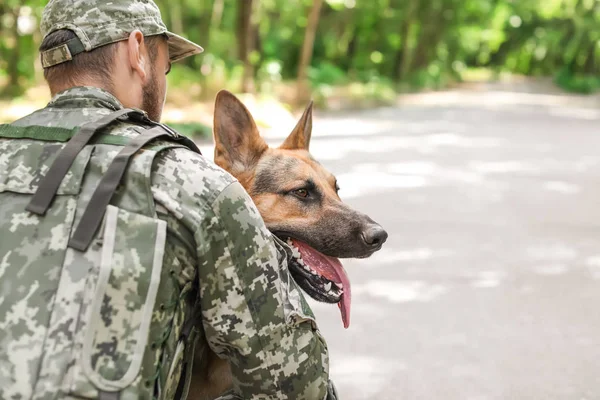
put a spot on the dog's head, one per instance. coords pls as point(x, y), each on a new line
point(298, 200)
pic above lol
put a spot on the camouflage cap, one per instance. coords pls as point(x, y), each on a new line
point(97, 23)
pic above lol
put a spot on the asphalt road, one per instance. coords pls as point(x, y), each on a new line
point(489, 284)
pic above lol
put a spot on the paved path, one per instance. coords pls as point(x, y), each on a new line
point(489, 285)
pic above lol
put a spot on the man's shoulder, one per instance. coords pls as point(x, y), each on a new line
point(187, 174)
point(69, 118)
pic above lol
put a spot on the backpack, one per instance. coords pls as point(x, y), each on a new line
point(88, 307)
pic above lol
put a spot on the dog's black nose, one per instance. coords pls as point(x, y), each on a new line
point(374, 236)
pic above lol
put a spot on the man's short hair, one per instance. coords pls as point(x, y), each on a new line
point(96, 64)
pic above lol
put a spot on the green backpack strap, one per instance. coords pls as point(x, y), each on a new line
point(50, 134)
point(77, 139)
point(51, 181)
point(54, 134)
point(94, 211)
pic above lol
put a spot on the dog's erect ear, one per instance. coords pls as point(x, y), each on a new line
point(238, 144)
point(300, 136)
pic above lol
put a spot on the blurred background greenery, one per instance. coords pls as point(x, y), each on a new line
point(351, 53)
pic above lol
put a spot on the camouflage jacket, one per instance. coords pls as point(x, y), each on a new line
point(252, 312)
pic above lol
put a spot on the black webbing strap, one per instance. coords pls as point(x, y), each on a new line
point(50, 183)
point(187, 142)
point(62, 53)
point(94, 212)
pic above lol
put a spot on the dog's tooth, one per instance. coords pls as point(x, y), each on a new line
point(313, 272)
point(300, 261)
point(327, 287)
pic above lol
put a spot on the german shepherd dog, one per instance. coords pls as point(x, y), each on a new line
point(298, 200)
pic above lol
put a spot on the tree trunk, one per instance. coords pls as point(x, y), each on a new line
point(13, 87)
point(215, 20)
point(38, 69)
point(247, 31)
point(396, 64)
point(351, 52)
point(243, 20)
point(589, 67)
point(177, 17)
point(217, 13)
point(303, 93)
point(206, 22)
point(405, 53)
point(432, 29)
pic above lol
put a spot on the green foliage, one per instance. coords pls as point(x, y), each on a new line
point(363, 47)
point(327, 73)
point(585, 84)
point(192, 129)
point(433, 77)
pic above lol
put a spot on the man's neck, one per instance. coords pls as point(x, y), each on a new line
point(54, 89)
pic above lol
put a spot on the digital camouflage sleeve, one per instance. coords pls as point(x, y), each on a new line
point(253, 313)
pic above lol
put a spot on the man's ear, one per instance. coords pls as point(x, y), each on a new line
point(238, 144)
point(300, 136)
point(138, 59)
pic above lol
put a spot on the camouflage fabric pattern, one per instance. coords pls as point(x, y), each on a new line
point(26, 304)
point(253, 314)
point(56, 55)
point(125, 295)
point(248, 306)
point(72, 351)
point(97, 23)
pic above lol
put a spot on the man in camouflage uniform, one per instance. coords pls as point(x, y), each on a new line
point(98, 300)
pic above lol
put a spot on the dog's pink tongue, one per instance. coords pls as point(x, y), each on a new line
point(331, 268)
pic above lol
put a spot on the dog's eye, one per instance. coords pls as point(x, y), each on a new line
point(301, 193)
point(337, 188)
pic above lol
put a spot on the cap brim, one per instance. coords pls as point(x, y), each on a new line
point(180, 48)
